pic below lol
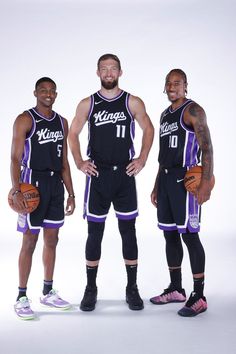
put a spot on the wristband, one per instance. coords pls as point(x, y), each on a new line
point(71, 196)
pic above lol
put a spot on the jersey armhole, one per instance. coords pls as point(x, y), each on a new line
point(91, 106)
point(32, 130)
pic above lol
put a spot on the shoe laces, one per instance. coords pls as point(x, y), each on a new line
point(53, 294)
point(193, 299)
point(23, 302)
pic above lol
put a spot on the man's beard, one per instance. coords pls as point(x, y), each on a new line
point(109, 85)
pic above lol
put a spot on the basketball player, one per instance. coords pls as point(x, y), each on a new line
point(184, 141)
point(39, 156)
point(111, 170)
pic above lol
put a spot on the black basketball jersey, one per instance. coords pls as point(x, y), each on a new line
point(111, 129)
point(178, 143)
point(44, 143)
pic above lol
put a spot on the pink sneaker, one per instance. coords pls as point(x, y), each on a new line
point(169, 295)
point(23, 310)
point(52, 299)
point(195, 305)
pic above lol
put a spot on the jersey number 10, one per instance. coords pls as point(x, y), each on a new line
point(173, 141)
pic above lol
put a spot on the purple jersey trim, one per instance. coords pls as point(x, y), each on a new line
point(89, 116)
point(132, 127)
point(110, 99)
point(46, 118)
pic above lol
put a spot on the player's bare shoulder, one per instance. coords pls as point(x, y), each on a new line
point(83, 108)
point(136, 105)
point(193, 113)
point(24, 121)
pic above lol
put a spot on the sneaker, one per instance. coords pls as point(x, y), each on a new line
point(52, 299)
point(196, 304)
point(133, 298)
point(89, 300)
point(23, 310)
point(168, 296)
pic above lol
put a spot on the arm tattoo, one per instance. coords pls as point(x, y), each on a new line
point(204, 139)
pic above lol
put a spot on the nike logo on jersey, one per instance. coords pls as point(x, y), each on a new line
point(46, 136)
point(38, 120)
point(104, 117)
point(98, 102)
point(179, 180)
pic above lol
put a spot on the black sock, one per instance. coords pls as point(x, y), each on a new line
point(91, 276)
point(131, 274)
point(176, 278)
point(198, 285)
point(47, 286)
point(22, 292)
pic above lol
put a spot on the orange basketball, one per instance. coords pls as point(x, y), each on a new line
point(193, 177)
point(30, 193)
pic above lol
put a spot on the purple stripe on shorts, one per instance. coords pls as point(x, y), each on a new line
point(194, 213)
point(23, 225)
point(86, 192)
point(95, 219)
point(167, 228)
point(127, 216)
point(52, 225)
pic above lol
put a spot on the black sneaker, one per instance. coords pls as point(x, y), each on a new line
point(89, 300)
point(133, 298)
point(196, 304)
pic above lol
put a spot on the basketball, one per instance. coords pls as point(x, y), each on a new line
point(31, 195)
point(193, 177)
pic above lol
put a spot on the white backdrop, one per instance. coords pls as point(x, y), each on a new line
point(63, 40)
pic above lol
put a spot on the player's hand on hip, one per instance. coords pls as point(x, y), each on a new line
point(134, 167)
point(89, 168)
point(154, 198)
point(70, 205)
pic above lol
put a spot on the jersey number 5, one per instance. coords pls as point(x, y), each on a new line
point(59, 149)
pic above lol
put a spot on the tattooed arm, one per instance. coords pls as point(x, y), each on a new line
point(195, 117)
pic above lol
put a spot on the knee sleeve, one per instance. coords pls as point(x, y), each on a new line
point(129, 240)
point(174, 248)
point(196, 252)
point(94, 240)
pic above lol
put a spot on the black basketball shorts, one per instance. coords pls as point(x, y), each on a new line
point(177, 209)
point(50, 212)
point(112, 185)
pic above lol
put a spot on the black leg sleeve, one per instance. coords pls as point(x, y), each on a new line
point(196, 252)
point(174, 248)
point(94, 240)
point(129, 240)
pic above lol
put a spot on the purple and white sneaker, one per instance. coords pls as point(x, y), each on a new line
point(196, 304)
point(168, 296)
point(23, 310)
point(52, 299)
